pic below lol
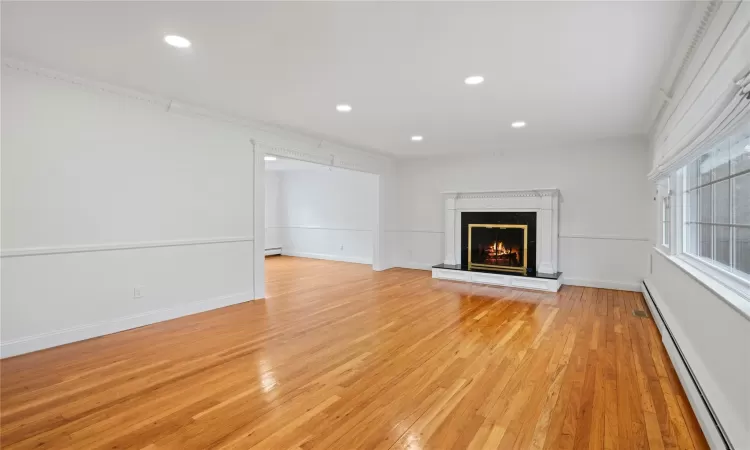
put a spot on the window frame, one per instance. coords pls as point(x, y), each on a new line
point(676, 198)
point(666, 231)
point(666, 216)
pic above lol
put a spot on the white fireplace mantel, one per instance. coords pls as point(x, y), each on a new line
point(545, 202)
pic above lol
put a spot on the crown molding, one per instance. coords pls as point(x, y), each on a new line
point(275, 149)
point(500, 194)
point(276, 140)
point(695, 31)
point(88, 84)
point(324, 154)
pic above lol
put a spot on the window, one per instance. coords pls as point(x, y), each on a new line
point(716, 205)
point(665, 217)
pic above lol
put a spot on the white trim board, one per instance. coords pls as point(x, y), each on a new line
point(341, 258)
point(66, 336)
point(561, 236)
point(36, 251)
point(611, 238)
point(314, 227)
point(416, 266)
point(602, 284)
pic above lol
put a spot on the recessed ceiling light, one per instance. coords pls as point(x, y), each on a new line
point(343, 108)
point(519, 124)
point(474, 79)
point(269, 158)
point(176, 41)
point(416, 138)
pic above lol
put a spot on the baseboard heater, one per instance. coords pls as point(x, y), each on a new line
point(693, 379)
point(273, 251)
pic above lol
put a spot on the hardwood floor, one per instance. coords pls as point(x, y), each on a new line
point(343, 357)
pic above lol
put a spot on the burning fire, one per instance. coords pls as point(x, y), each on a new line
point(498, 249)
point(498, 253)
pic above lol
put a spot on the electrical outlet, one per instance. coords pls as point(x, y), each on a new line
point(138, 292)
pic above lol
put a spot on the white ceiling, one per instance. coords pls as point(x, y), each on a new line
point(572, 70)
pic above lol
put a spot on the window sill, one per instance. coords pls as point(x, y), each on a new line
point(737, 301)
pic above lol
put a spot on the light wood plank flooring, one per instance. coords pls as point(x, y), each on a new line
point(343, 357)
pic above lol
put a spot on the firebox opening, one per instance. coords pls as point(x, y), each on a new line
point(498, 246)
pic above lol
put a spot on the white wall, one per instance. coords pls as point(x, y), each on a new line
point(321, 212)
point(605, 201)
point(715, 340)
point(713, 336)
point(105, 189)
point(103, 193)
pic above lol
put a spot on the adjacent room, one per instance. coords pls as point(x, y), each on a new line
point(320, 212)
point(316, 212)
point(375, 225)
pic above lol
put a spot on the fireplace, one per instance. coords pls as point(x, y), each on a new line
point(514, 238)
point(498, 247)
point(499, 241)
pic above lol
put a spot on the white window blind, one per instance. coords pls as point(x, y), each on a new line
point(710, 101)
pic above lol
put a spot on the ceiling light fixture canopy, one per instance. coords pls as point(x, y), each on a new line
point(416, 138)
point(474, 79)
point(343, 108)
point(176, 41)
point(518, 124)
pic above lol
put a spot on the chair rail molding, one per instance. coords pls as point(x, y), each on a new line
point(545, 202)
point(37, 251)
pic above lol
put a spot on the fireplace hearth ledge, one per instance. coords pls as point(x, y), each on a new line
point(498, 279)
point(540, 282)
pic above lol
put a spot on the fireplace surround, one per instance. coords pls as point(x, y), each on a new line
point(498, 257)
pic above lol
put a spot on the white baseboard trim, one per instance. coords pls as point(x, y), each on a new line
point(273, 251)
point(603, 284)
point(415, 265)
point(708, 421)
point(351, 259)
point(61, 337)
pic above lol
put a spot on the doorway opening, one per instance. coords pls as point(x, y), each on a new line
point(317, 212)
